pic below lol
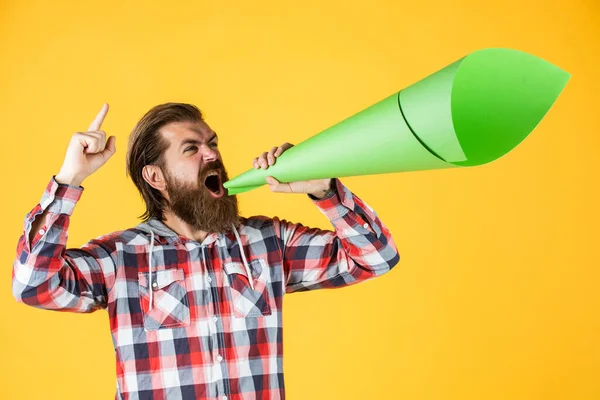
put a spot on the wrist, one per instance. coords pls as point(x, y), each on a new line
point(65, 179)
point(325, 192)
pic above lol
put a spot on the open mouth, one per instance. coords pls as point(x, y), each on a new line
point(213, 184)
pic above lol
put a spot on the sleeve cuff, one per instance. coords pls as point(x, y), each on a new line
point(60, 198)
point(338, 204)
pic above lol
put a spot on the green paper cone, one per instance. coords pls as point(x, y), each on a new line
point(236, 190)
point(469, 113)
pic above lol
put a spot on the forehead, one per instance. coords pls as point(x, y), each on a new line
point(177, 132)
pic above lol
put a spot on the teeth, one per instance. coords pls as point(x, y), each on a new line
point(212, 173)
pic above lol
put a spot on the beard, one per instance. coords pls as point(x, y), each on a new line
point(194, 204)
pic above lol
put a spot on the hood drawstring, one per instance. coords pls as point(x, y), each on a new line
point(150, 267)
point(250, 279)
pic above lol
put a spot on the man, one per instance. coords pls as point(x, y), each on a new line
point(194, 293)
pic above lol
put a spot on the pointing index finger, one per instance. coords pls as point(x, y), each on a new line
point(97, 123)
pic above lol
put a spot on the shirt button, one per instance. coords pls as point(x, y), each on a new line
point(224, 397)
point(366, 226)
point(209, 279)
point(154, 285)
point(215, 319)
point(219, 359)
point(41, 232)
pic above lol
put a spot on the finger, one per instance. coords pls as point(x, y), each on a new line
point(100, 139)
point(110, 148)
point(255, 163)
point(97, 123)
point(262, 160)
point(271, 156)
point(89, 143)
point(101, 135)
point(283, 148)
point(275, 186)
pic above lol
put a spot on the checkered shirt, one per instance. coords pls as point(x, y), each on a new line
point(197, 329)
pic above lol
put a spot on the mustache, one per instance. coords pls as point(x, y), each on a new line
point(216, 165)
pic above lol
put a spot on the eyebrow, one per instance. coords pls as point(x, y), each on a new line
point(196, 142)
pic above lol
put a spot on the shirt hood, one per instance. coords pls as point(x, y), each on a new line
point(157, 229)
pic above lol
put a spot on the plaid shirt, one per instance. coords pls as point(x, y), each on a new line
point(197, 329)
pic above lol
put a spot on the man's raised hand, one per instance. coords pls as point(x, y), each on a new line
point(87, 152)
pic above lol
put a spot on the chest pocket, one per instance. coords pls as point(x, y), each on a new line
point(167, 306)
point(248, 302)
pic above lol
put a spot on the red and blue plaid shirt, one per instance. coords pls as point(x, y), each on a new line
point(187, 321)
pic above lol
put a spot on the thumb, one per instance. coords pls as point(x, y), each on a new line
point(110, 147)
point(276, 186)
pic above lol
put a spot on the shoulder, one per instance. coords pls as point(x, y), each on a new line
point(110, 241)
point(255, 222)
point(258, 226)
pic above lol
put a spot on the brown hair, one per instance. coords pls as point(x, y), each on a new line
point(147, 147)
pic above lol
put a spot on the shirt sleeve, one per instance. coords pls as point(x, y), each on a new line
point(360, 247)
point(45, 273)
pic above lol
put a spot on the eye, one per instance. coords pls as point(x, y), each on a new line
point(191, 148)
point(213, 144)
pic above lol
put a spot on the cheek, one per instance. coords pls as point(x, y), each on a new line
point(186, 172)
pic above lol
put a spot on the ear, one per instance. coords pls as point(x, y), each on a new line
point(153, 175)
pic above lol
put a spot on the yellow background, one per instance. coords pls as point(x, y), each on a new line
point(497, 293)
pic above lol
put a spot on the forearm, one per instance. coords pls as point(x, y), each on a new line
point(37, 225)
point(326, 192)
point(361, 232)
point(40, 220)
point(44, 275)
point(361, 247)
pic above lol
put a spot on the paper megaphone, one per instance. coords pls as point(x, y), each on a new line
point(469, 113)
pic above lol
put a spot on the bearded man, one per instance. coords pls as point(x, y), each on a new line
point(194, 293)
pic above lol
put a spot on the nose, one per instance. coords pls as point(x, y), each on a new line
point(209, 154)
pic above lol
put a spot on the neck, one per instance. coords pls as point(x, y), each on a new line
point(183, 228)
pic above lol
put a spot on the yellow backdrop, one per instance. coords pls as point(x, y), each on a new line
point(496, 295)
